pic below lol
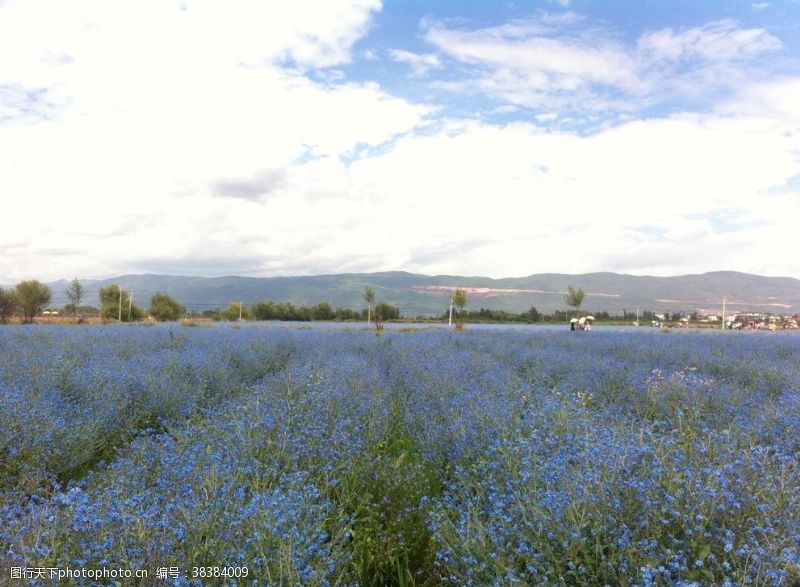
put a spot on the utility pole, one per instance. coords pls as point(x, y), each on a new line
point(450, 319)
point(130, 306)
point(723, 312)
point(240, 311)
point(120, 305)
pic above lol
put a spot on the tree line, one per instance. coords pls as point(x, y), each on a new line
point(286, 311)
point(29, 298)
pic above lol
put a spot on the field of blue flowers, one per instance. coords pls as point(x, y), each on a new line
point(337, 457)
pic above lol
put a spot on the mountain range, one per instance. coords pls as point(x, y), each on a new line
point(424, 295)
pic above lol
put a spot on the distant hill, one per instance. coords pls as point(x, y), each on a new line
point(417, 294)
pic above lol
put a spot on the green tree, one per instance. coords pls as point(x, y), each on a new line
point(236, 311)
point(8, 304)
point(322, 311)
point(32, 296)
point(574, 298)
point(460, 302)
point(387, 312)
point(264, 311)
point(369, 297)
point(164, 308)
point(345, 314)
point(74, 294)
point(377, 318)
point(116, 304)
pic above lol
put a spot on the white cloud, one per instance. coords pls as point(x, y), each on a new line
point(39, 35)
point(546, 62)
point(420, 64)
point(779, 99)
point(142, 152)
point(468, 198)
point(145, 120)
point(718, 41)
point(560, 61)
point(516, 200)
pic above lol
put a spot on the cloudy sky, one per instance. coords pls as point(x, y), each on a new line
point(470, 137)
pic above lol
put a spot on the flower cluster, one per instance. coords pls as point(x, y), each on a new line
point(332, 456)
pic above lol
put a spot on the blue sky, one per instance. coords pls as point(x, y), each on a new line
point(421, 38)
point(492, 138)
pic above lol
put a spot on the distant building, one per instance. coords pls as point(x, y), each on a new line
point(706, 316)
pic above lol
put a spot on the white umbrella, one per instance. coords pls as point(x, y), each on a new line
point(574, 320)
point(590, 317)
point(582, 320)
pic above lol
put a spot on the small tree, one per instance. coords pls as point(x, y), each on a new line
point(378, 318)
point(264, 311)
point(164, 308)
point(574, 298)
point(116, 304)
point(369, 297)
point(32, 296)
point(74, 294)
point(236, 311)
point(533, 315)
point(386, 311)
point(460, 302)
point(8, 304)
point(322, 311)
